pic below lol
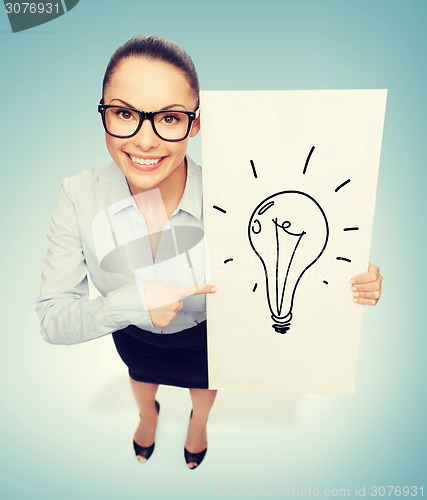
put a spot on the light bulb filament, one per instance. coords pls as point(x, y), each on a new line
point(280, 252)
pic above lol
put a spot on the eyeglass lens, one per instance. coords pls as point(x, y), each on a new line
point(168, 124)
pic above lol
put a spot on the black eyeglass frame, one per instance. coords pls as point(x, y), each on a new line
point(147, 115)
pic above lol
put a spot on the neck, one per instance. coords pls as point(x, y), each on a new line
point(170, 190)
point(173, 187)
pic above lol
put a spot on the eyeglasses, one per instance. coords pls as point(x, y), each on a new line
point(123, 122)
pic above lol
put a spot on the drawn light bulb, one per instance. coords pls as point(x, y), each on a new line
point(288, 231)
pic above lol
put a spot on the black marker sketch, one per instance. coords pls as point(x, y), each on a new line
point(219, 209)
point(307, 160)
point(342, 185)
point(255, 287)
point(351, 229)
point(253, 169)
point(227, 260)
point(288, 231)
point(326, 283)
point(344, 259)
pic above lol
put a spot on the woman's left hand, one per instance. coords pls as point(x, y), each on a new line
point(367, 287)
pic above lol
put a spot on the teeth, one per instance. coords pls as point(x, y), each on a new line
point(146, 163)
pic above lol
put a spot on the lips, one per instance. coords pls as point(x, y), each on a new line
point(146, 164)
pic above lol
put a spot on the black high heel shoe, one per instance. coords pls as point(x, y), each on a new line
point(145, 451)
point(194, 457)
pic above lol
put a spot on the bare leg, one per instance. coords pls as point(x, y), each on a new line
point(145, 395)
point(203, 400)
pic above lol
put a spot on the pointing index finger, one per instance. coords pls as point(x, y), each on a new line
point(191, 290)
point(206, 289)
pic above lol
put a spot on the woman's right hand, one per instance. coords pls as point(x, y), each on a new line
point(165, 301)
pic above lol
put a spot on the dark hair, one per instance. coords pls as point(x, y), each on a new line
point(156, 48)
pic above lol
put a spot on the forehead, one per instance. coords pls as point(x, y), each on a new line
point(148, 84)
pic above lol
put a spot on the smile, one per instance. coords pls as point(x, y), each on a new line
point(144, 164)
point(142, 161)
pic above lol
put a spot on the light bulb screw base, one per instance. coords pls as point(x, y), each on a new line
point(282, 325)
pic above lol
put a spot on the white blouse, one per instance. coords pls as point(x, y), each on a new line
point(97, 230)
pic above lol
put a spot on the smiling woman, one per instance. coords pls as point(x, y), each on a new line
point(150, 194)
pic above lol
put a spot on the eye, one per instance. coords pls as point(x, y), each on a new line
point(124, 114)
point(169, 118)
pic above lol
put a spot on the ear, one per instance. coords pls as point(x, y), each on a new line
point(195, 127)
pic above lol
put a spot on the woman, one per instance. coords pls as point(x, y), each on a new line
point(148, 195)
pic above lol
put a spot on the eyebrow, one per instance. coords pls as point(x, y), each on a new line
point(170, 106)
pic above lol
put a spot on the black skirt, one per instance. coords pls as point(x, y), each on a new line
point(179, 359)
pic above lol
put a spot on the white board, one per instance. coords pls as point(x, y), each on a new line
point(288, 176)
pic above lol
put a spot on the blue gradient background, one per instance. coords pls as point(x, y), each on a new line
point(68, 415)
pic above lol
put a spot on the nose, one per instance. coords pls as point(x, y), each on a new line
point(146, 139)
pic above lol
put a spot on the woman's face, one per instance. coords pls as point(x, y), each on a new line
point(149, 85)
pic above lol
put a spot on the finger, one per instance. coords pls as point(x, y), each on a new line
point(365, 302)
point(373, 286)
point(188, 291)
point(372, 275)
point(367, 295)
point(373, 268)
point(364, 278)
point(206, 289)
point(159, 293)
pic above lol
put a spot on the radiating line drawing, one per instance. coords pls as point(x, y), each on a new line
point(342, 185)
point(345, 259)
point(288, 231)
point(253, 169)
point(308, 160)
